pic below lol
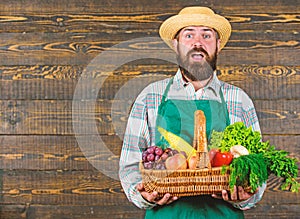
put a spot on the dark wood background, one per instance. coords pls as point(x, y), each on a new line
point(45, 48)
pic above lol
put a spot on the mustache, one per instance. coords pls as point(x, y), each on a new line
point(199, 49)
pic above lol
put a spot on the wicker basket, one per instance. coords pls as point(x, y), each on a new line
point(185, 182)
point(190, 182)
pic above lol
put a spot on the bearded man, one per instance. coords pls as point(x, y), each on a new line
point(197, 35)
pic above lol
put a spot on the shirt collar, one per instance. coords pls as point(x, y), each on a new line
point(213, 85)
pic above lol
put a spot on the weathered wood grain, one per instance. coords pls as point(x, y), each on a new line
point(70, 212)
point(90, 188)
point(58, 117)
point(55, 152)
point(88, 42)
point(288, 143)
point(227, 73)
point(130, 212)
point(289, 211)
point(63, 187)
point(45, 45)
point(59, 82)
point(34, 194)
point(75, 49)
point(145, 23)
point(115, 6)
point(274, 114)
point(62, 153)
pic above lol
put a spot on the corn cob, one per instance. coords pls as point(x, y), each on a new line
point(177, 142)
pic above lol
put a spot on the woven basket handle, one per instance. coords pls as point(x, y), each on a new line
point(200, 140)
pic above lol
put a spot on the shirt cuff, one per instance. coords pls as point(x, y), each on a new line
point(249, 203)
point(143, 203)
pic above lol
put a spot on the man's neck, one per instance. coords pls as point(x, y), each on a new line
point(197, 84)
point(200, 84)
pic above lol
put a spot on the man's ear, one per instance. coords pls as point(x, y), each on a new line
point(218, 45)
point(175, 45)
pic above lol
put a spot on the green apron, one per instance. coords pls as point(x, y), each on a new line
point(177, 116)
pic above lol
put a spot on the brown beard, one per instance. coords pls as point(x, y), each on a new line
point(197, 71)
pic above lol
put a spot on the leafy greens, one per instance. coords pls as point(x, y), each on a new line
point(276, 161)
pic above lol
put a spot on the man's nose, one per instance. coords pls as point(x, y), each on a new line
point(198, 42)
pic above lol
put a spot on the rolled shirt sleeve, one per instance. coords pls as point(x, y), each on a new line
point(135, 141)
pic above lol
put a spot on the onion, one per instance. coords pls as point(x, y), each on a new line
point(238, 150)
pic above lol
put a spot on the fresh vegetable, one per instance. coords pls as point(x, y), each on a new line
point(221, 158)
point(212, 152)
point(176, 162)
point(283, 166)
point(248, 171)
point(215, 140)
point(238, 150)
point(239, 134)
point(177, 142)
point(158, 159)
point(278, 162)
point(192, 162)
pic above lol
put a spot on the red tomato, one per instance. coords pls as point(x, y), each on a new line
point(221, 159)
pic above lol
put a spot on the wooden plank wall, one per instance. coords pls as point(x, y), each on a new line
point(45, 48)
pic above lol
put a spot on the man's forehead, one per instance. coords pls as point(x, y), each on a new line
point(194, 28)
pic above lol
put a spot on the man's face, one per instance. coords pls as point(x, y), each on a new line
point(197, 49)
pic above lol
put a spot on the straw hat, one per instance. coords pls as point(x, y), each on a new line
point(195, 16)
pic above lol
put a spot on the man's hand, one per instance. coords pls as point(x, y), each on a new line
point(153, 197)
point(238, 195)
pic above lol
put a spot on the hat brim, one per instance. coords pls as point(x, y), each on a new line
point(172, 25)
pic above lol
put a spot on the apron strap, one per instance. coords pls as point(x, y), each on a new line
point(163, 100)
point(165, 94)
point(224, 104)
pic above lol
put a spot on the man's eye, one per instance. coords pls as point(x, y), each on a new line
point(189, 36)
point(206, 36)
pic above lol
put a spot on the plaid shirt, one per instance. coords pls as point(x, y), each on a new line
point(140, 131)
